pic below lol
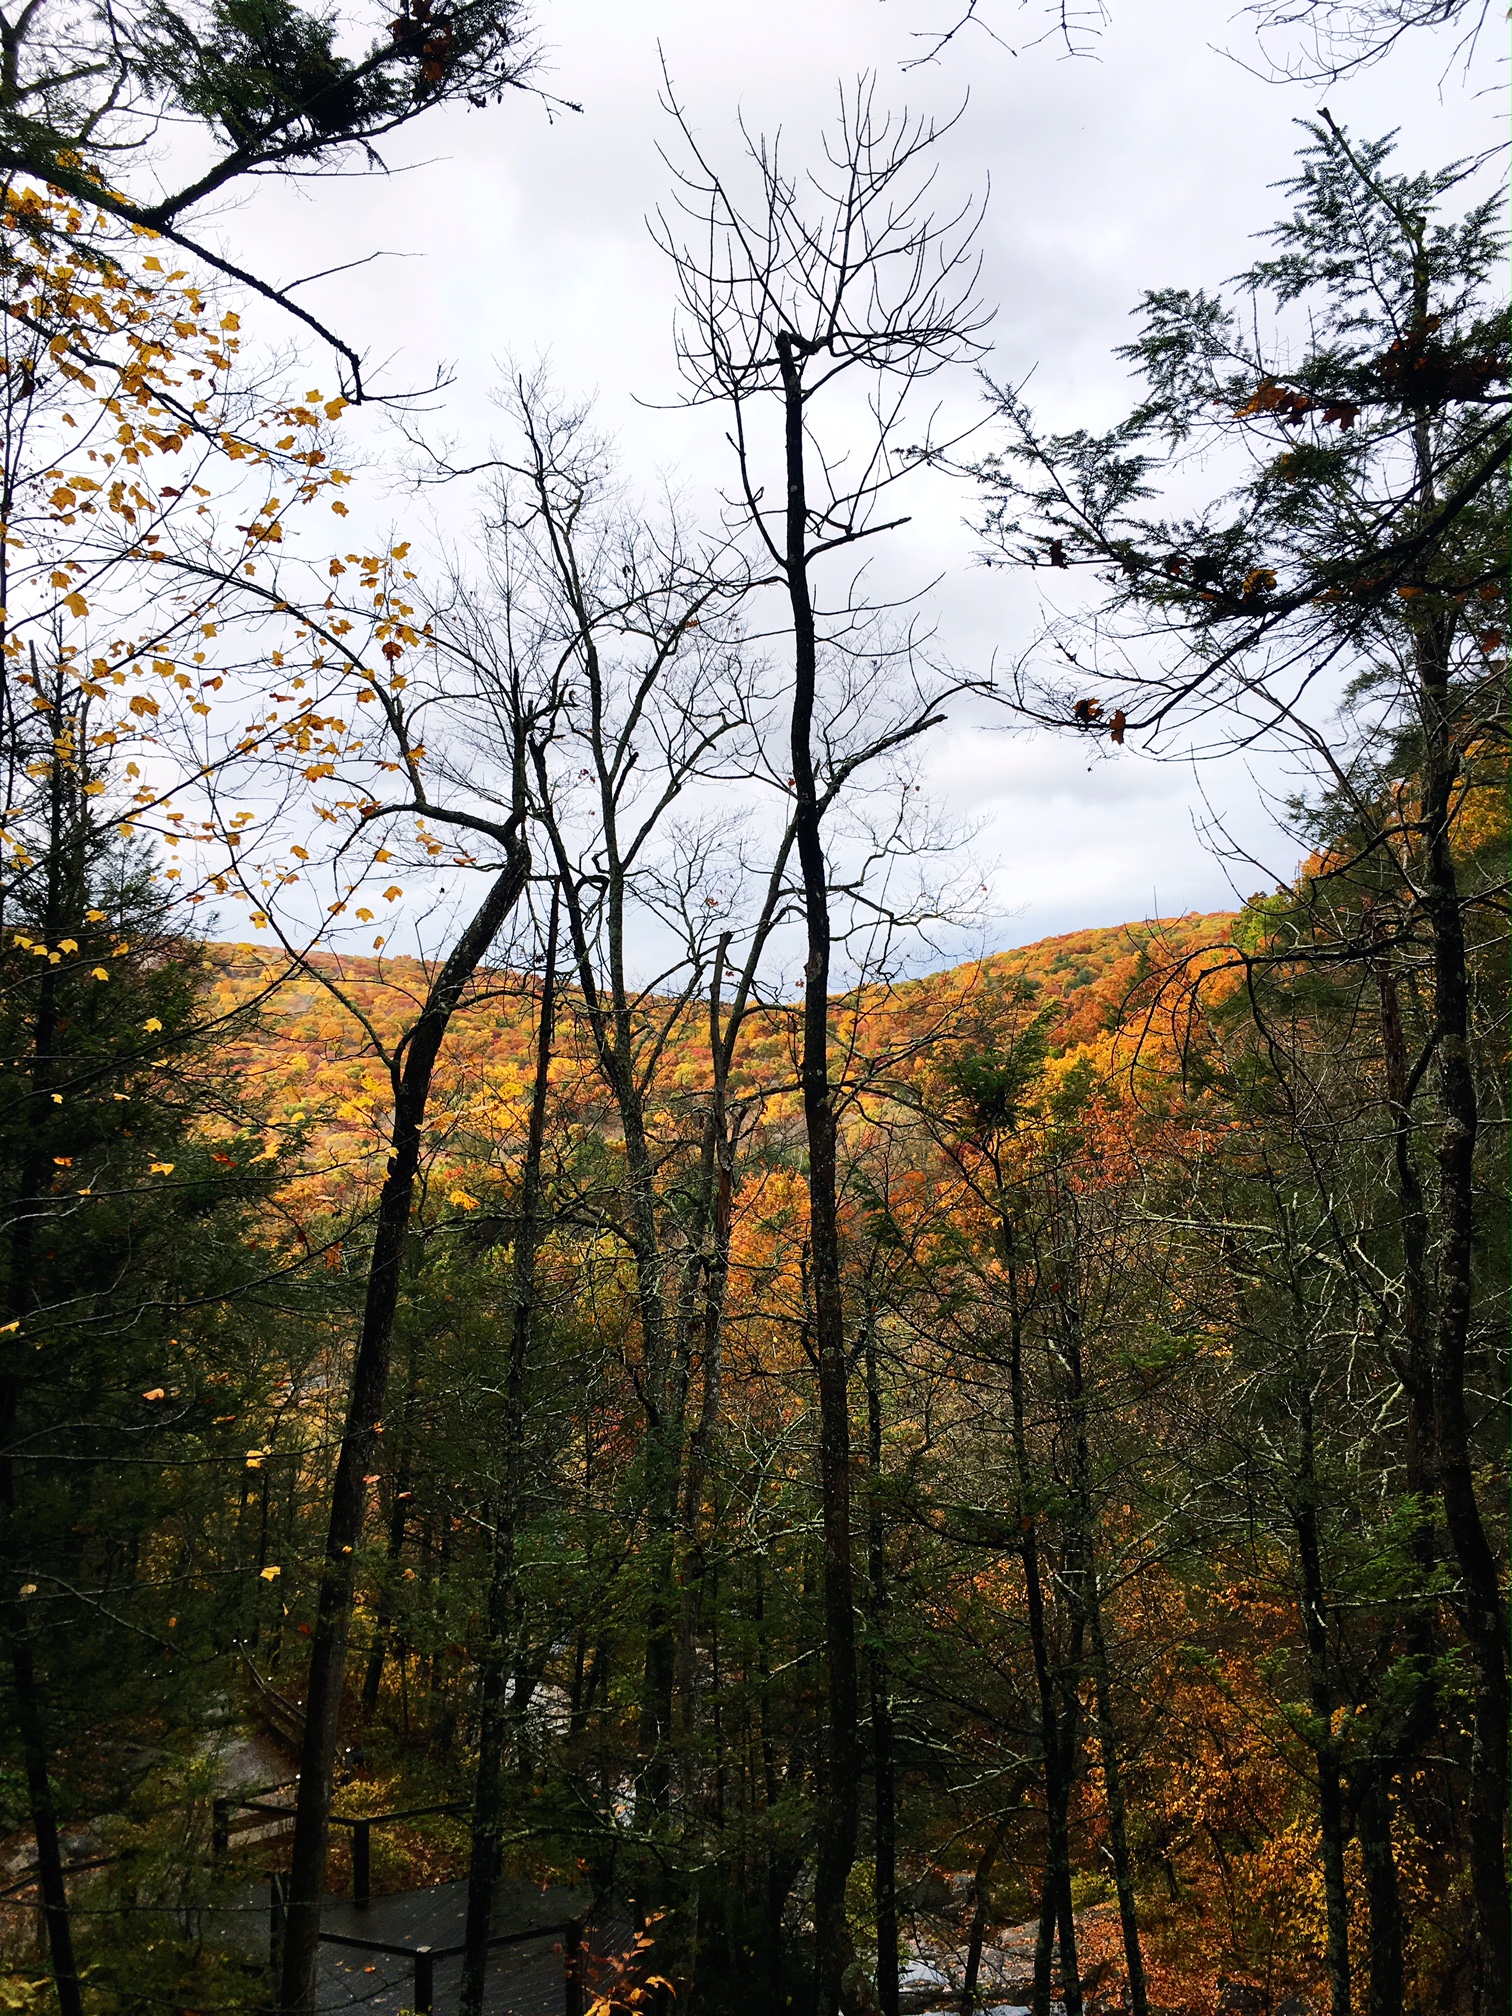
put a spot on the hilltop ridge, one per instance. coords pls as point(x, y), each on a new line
point(1102, 958)
point(311, 1068)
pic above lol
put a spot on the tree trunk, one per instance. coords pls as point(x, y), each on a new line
point(885, 1845)
point(1383, 1900)
point(372, 1679)
point(611, 1023)
point(1330, 1781)
point(1416, 1364)
point(360, 1437)
point(1481, 1599)
point(715, 1197)
point(839, 1806)
point(1412, 1725)
point(34, 1752)
point(1071, 1995)
point(503, 1595)
point(776, 1888)
point(31, 1723)
point(1090, 1604)
point(976, 1937)
point(1118, 1836)
point(1055, 1751)
point(1044, 1941)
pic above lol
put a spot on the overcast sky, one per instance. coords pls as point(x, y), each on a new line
point(515, 234)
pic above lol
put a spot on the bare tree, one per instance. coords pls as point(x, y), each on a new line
point(664, 701)
point(1301, 41)
point(1331, 39)
point(844, 273)
point(1072, 25)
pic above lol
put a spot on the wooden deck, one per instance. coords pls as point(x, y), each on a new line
point(523, 1980)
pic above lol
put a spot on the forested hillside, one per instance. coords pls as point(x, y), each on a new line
point(317, 1077)
point(591, 1418)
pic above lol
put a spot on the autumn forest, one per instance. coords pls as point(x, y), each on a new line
point(614, 1396)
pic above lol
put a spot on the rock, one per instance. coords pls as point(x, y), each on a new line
point(921, 1987)
point(932, 1893)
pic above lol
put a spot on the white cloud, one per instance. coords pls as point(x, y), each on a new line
point(1146, 165)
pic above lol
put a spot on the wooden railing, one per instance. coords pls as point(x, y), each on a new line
point(425, 1959)
point(222, 1831)
point(224, 1834)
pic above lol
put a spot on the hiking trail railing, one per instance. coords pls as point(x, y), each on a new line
point(426, 1958)
point(224, 1834)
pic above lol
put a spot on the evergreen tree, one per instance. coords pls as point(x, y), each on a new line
point(1342, 599)
point(129, 1199)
